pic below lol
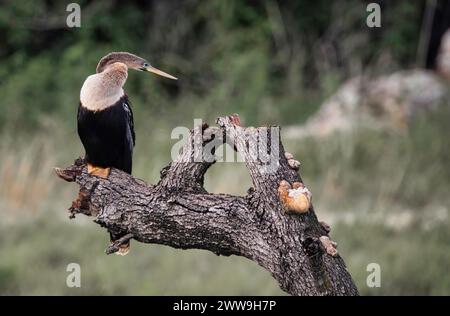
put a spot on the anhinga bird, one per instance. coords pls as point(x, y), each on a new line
point(105, 118)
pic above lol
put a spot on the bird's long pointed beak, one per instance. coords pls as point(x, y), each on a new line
point(159, 72)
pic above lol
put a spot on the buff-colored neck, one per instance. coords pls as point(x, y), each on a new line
point(104, 89)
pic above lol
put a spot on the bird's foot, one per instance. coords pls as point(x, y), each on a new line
point(119, 246)
point(123, 249)
point(98, 171)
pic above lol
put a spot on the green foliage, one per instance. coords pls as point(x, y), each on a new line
point(273, 62)
point(412, 261)
point(264, 59)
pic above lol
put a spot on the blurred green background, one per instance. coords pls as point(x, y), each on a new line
point(386, 194)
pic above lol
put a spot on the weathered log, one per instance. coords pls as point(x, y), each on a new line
point(178, 211)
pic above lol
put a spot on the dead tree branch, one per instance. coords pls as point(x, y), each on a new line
point(178, 211)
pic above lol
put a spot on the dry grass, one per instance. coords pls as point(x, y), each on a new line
point(385, 196)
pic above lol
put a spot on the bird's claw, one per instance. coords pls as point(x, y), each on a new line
point(98, 171)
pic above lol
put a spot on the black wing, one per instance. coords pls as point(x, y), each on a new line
point(129, 113)
point(131, 136)
point(108, 135)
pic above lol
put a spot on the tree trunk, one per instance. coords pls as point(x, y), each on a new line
point(178, 211)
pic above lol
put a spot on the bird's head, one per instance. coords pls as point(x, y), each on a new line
point(132, 62)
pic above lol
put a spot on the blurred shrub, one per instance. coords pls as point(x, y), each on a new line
point(268, 60)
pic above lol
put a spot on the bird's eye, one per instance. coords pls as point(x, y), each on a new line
point(146, 65)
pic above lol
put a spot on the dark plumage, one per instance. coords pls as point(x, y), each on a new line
point(108, 135)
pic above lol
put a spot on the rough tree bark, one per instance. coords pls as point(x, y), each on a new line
point(178, 212)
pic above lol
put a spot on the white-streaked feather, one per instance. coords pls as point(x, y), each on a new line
point(130, 127)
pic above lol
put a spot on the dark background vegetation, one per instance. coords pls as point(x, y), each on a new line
point(273, 62)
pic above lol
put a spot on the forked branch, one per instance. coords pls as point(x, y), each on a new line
point(293, 246)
